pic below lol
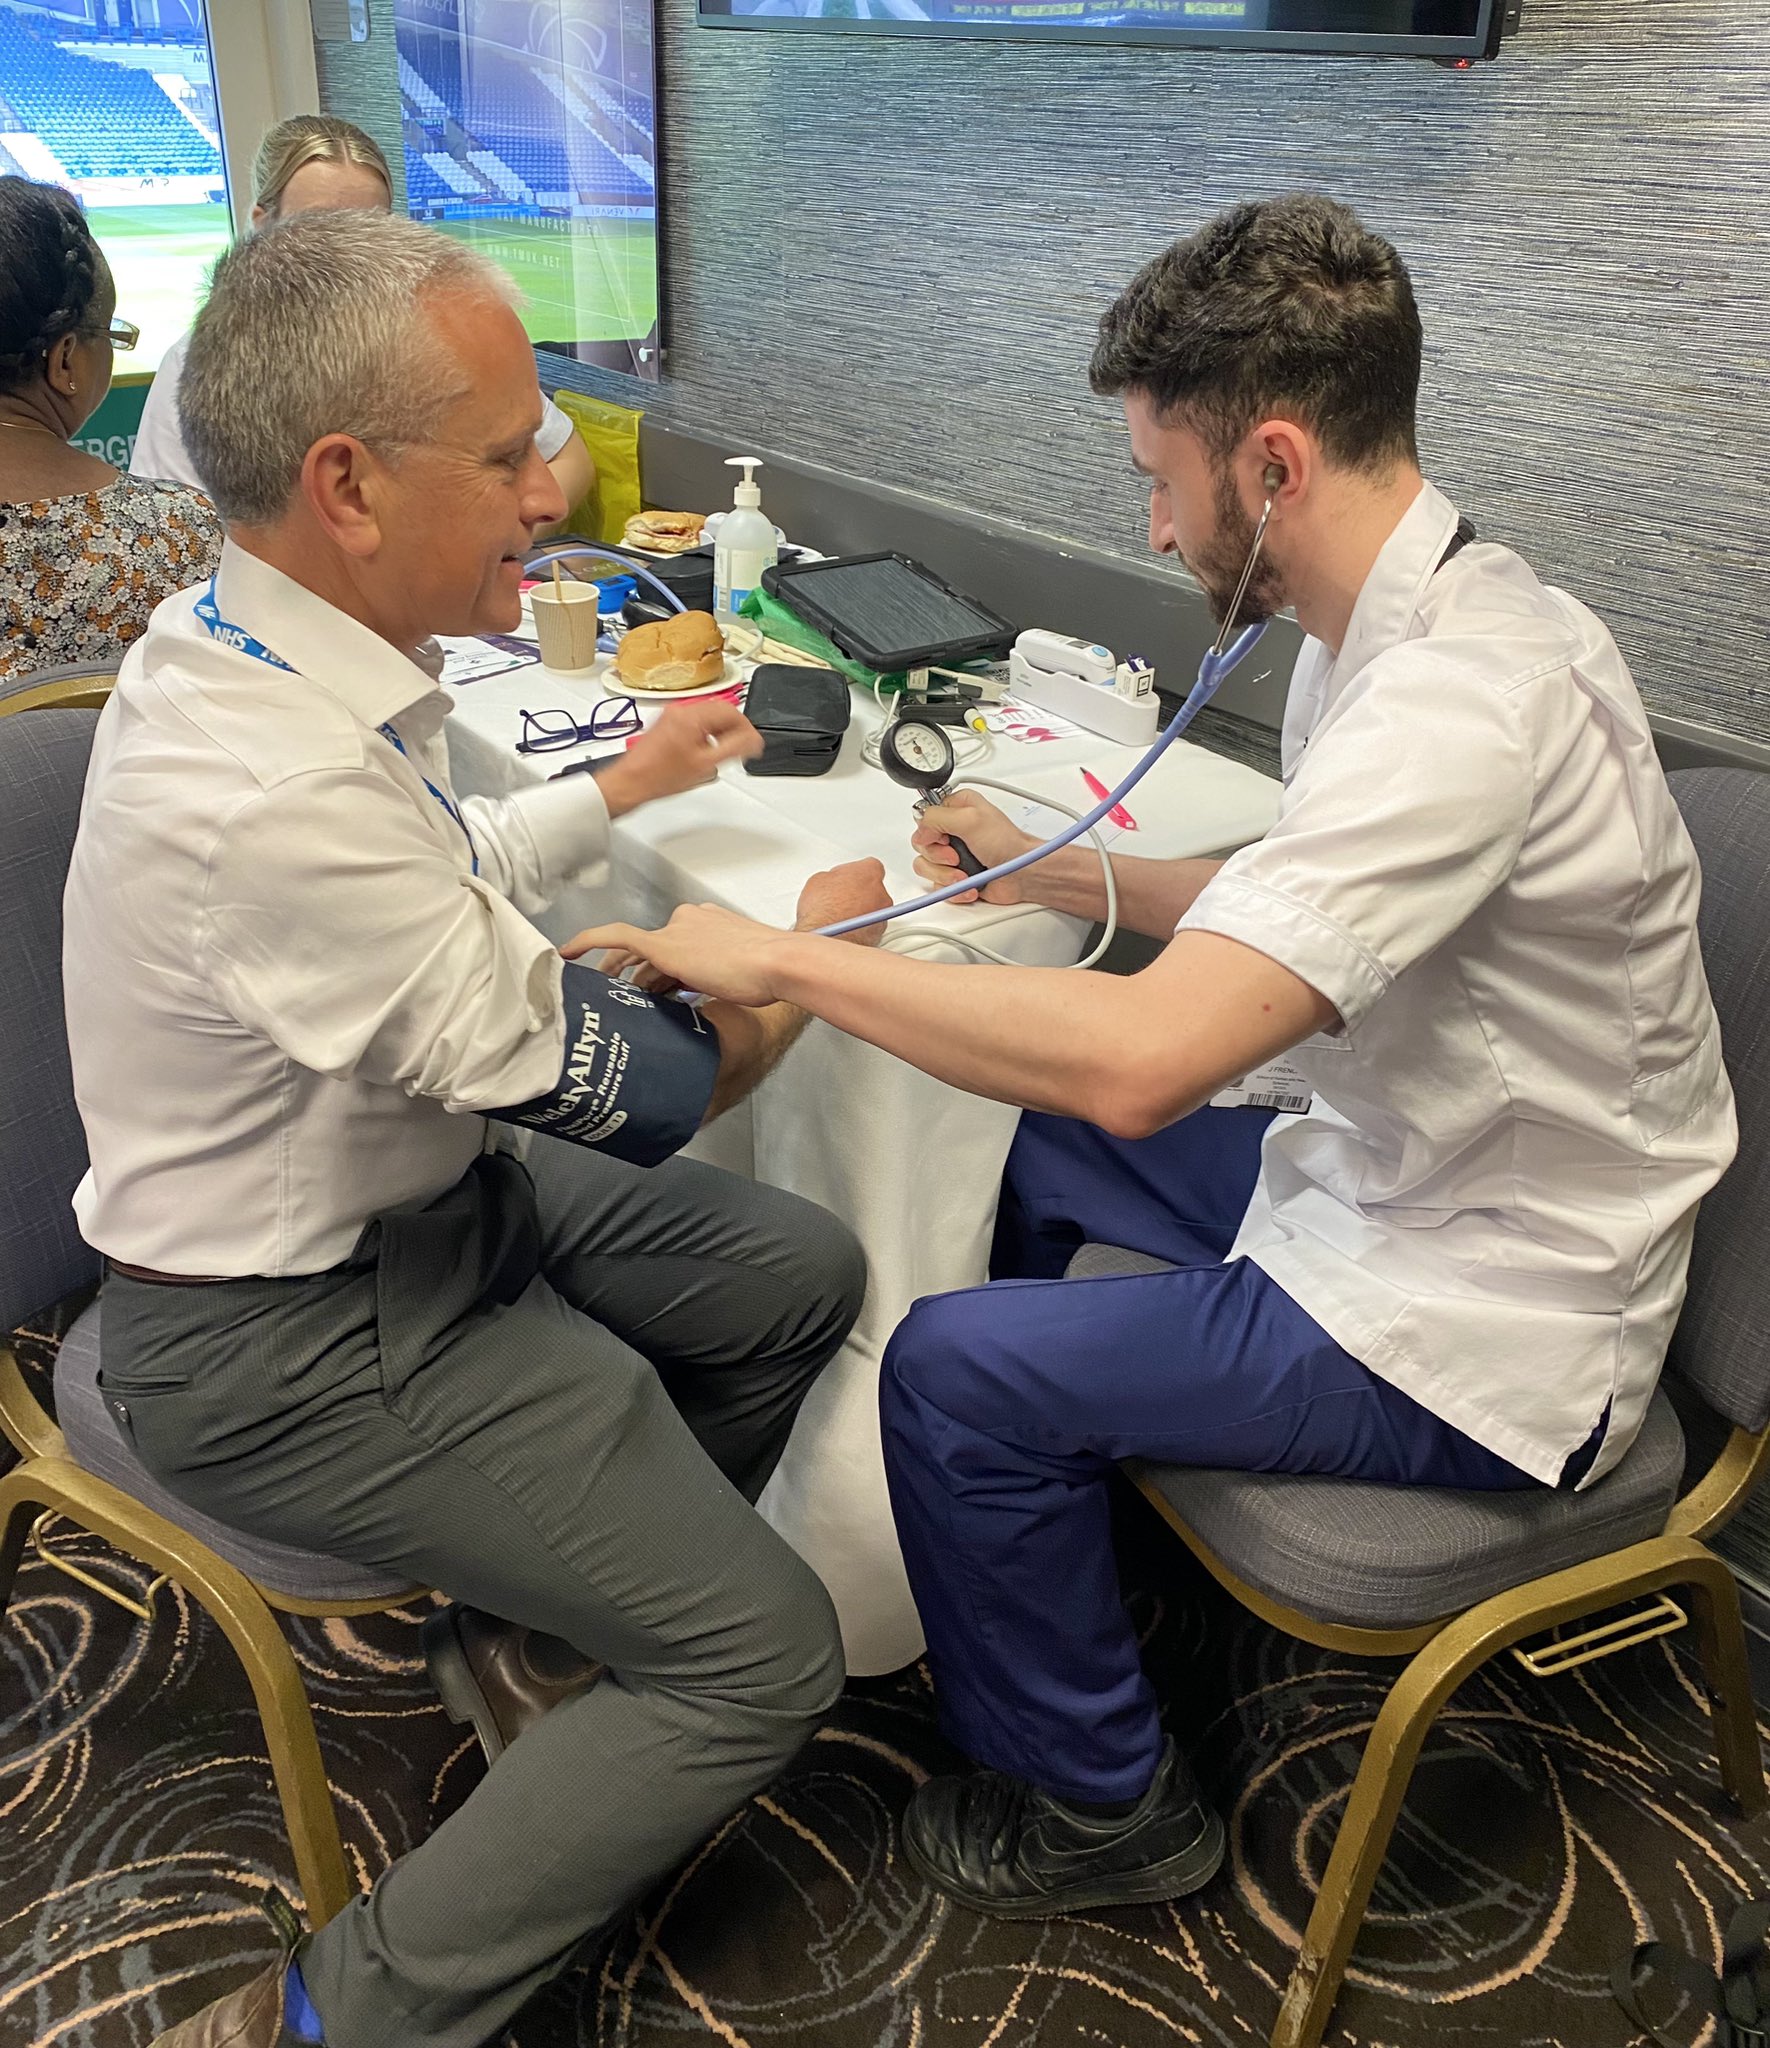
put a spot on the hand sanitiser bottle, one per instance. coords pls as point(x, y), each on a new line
point(744, 545)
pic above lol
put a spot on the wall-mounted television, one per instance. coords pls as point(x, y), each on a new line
point(1453, 31)
point(531, 132)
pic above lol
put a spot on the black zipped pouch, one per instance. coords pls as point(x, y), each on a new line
point(801, 714)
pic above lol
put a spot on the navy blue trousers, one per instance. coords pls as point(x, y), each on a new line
point(1006, 1406)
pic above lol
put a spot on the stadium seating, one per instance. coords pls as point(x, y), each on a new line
point(436, 60)
point(98, 120)
point(528, 143)
point(460, 182)
point(423, 186)
point(428, 107)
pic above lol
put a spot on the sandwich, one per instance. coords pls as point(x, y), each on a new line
point(681, 653)
point(664, 533)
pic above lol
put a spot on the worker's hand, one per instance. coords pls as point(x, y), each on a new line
point(841, 893)
point(702, 947)
point(984, 829)
point(617, 965)
point(683, 750)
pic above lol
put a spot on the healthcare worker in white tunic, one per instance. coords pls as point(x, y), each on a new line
point(1473, 929)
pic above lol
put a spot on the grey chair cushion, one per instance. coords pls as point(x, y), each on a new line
point(43, 758)
point(1394, 1556)
point(1341, 1550)
point(1722, 1344)
point(95, 1444)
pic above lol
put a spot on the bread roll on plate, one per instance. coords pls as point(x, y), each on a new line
point(683, 653)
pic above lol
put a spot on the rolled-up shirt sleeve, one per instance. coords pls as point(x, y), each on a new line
point(335, 927)
point(1406, 812)
point(532, 843)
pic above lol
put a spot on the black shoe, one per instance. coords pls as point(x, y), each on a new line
point(497, 1675)
point(1001, 1846)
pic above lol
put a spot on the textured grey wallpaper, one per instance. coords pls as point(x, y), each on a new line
point(889, 256)
point(361, 82)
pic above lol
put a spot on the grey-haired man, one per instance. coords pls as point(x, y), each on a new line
point(300, 974)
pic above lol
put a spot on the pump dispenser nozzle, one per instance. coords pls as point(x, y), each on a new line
point(744, 545)
point(749, 492)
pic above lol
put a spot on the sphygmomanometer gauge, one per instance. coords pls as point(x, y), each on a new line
point(918, 755)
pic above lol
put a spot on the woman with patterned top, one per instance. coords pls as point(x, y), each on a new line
point(85, 553)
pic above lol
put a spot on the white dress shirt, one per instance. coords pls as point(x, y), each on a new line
point(288, 993)
point(159, 440)
point(1478, 863)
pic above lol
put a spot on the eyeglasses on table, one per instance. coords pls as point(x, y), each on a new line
point(614, 718)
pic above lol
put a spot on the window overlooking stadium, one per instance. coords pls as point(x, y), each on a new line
point(530, 132)
point(115, 100)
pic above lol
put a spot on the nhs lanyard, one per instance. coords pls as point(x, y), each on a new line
point(242, 642)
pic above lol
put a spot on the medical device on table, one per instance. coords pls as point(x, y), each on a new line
point(1087, 684)
point(631, 563)
point(918, 754)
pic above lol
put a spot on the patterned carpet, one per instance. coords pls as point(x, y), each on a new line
point(1550, 1827)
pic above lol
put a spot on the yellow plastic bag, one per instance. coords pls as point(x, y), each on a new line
point(611, 433)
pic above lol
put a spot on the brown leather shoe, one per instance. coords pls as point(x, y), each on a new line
point(498, 1675)
point(252, 2016)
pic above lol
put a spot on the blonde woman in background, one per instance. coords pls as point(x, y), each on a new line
point(312, 163)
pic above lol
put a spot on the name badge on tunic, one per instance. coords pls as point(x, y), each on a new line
point(1277, 1085)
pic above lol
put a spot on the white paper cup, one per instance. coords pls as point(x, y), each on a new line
point(566, 624)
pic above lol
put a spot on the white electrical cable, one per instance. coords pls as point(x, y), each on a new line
point(931, 935)
point(729, 626)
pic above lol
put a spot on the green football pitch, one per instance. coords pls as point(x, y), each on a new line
point(160, 257)
point(586, 280)
point(582, 280)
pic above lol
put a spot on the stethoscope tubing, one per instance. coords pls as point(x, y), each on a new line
point(1212, 671)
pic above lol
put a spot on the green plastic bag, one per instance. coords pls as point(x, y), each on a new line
point(611, 433)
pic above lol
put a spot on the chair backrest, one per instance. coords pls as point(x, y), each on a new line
point(42, 1146)
point(1722, 1344)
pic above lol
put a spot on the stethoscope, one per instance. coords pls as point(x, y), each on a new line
point(918, 754)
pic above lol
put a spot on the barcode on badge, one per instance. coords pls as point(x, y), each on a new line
point(1277, 1085)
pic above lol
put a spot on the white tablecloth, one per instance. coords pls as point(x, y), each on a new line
point(910, 1164)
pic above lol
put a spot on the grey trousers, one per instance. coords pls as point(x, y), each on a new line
point(547, 1393)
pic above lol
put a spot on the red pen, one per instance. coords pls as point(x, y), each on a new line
point(1118, 814)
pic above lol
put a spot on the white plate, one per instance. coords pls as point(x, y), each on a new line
point(616, 686)
point(633, 547)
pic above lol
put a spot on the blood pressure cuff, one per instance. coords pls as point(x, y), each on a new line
point(638, 1073)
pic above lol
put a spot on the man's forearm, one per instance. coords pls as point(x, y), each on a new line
point(752, 1043)
point(1033, 1037)
point(1128, 1052)
point(1153, 894)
